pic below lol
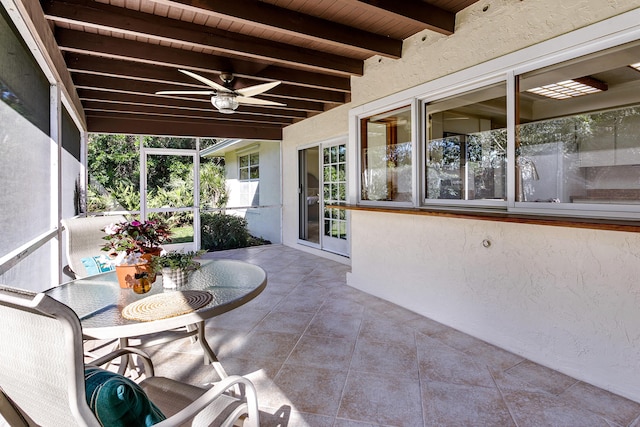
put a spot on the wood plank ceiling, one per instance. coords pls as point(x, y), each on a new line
point(120, 52)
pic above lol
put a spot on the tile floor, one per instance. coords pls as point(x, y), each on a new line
point(323, 354)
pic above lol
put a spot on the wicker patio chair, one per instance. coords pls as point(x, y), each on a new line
point(42, 374)
point(84, 240)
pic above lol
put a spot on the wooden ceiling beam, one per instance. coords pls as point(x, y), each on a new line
point(170, 76)
point(130, 50)
point(105, 83)
point(435, 18)
point(184, 104)
point(170, 112)
point(137, 124)
point(126, 21)
point(285, 20)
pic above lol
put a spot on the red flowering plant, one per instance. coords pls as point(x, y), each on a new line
point(127, 241)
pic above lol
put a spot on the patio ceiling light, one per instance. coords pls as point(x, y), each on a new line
point(570, 88)
point(225, 102)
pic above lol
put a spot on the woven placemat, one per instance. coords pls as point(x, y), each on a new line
point(162, 306)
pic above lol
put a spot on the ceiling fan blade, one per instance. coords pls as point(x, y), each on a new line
point(257, 89)
point(186, 92)
point(256, 101)
point(206, 81)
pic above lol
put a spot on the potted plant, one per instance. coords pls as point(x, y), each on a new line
point(131, 245)
point(176, 267)
point(136, 237)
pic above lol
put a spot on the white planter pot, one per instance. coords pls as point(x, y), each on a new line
point(173, 279)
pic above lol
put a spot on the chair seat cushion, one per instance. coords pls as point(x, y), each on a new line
point(97, 264)
point(118, 401)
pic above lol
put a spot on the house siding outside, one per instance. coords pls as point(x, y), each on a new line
point(566, 298)
point(264, 218)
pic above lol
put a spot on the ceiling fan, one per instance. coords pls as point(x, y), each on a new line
point(224, 97)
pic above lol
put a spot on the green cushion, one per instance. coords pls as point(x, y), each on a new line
point(118, 401)
point(97, 264)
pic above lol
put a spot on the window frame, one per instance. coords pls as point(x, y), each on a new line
point(249, 166)
point(414, 107)
point(461, 90)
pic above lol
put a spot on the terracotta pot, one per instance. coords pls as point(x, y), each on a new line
point(150, 253)
point(127, 274)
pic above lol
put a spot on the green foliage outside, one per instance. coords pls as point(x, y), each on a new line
point(183, 234)
point(114, 184)
point(114, 176)
point(114, 159)
point(221, 231)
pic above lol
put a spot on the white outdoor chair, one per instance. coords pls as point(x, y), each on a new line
point(85, 240)
point(42, 374)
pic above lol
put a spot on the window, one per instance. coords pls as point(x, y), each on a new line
point(466, 146)
point(386, 156)
point(580, 145)
point(563, 140)
point(249, 167)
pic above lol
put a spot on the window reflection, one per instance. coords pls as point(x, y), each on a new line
point(466, 146)
point(583, 148)
point(386, 157)
point(587, 158)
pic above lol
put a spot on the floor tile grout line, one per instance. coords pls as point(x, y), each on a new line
point(346, 380)
point(584, 408)
point(299, 337)
point(421, 386)
point(315, 315)
point(635, 421)
point(272, 310)
point(504, 400)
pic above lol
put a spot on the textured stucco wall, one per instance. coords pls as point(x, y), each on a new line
point(263, 222)
point(565, 298)
point(505, 27)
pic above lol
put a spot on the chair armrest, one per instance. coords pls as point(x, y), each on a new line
point(69, 272)
point(146, 360)
point(211, 395)
point(10, 412)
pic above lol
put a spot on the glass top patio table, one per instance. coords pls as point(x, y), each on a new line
point(98, 300)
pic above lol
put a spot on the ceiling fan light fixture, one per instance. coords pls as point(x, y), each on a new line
point(225, 102)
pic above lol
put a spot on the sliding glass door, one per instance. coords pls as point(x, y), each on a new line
point(309, 195)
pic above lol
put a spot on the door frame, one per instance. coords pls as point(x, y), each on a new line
point(195, 209)
point(328, 243)
point(301, 186)
point(341, 140)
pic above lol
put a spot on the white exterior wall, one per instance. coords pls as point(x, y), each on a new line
point(566, 298)
point(265, 221)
